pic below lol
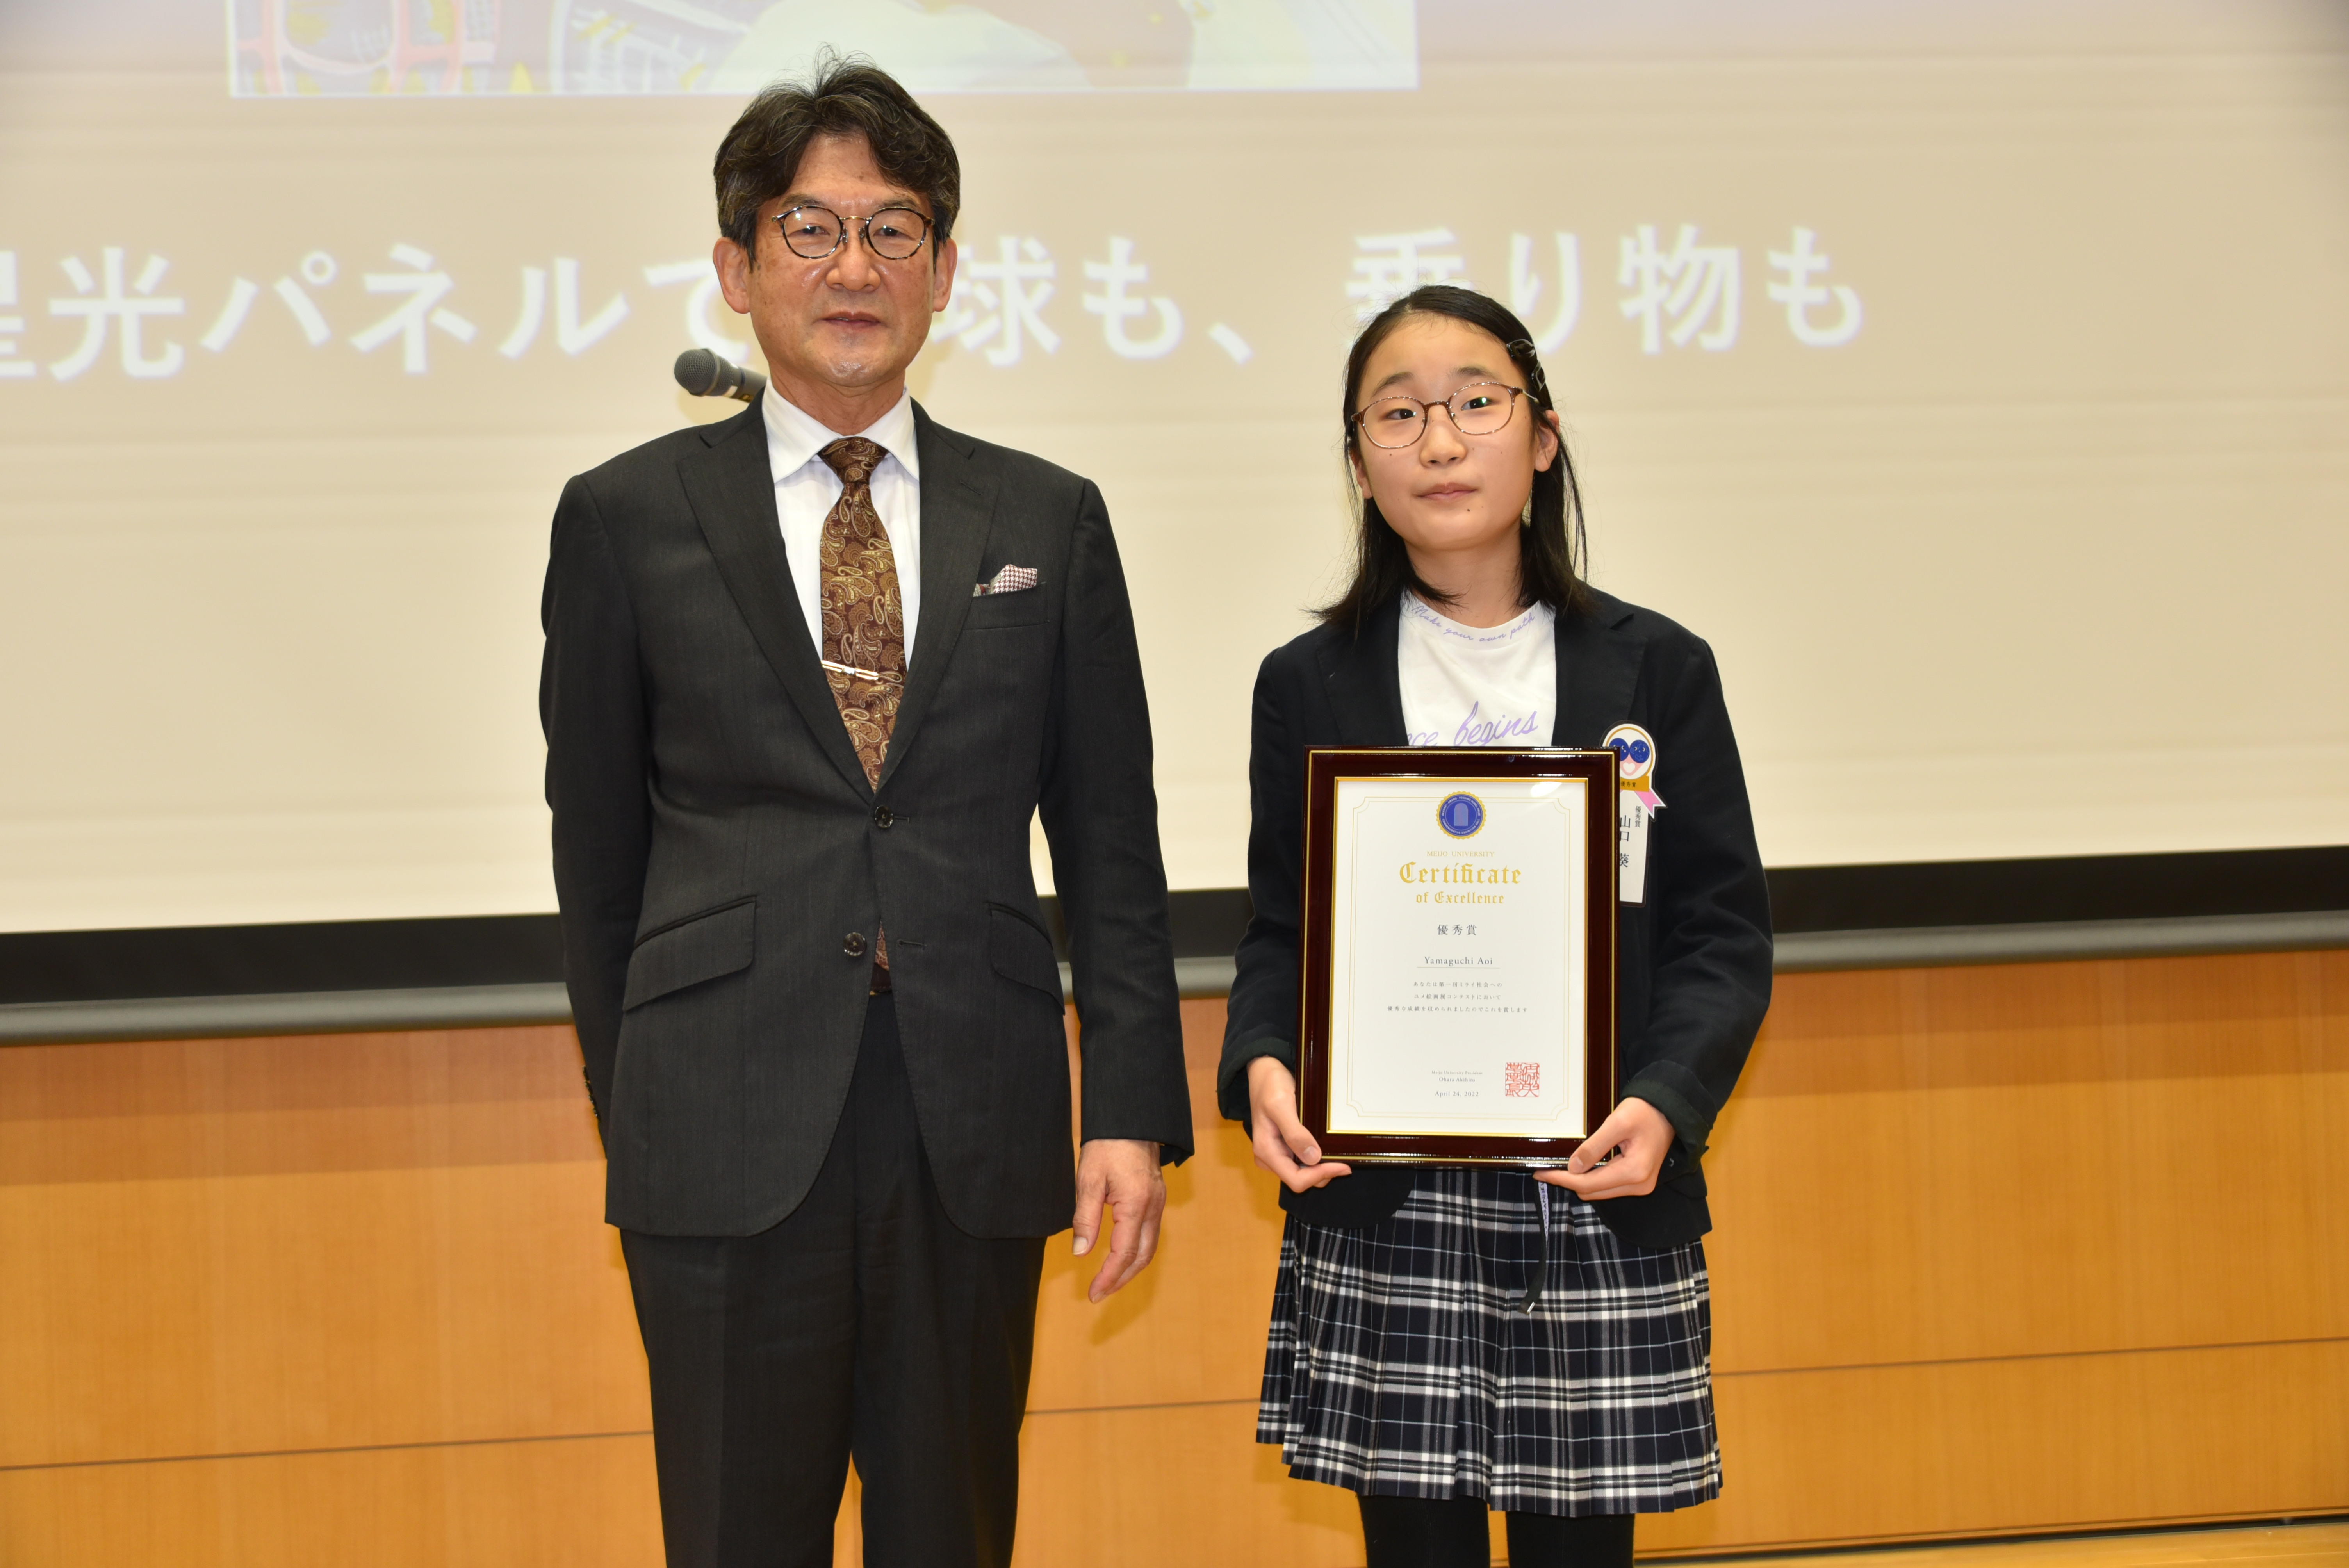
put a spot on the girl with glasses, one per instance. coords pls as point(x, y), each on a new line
point(1450, 1341)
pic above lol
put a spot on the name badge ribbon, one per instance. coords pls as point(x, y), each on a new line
point(1636, 803)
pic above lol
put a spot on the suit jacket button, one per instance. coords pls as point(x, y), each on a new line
point(852, 945)
point(881, 817)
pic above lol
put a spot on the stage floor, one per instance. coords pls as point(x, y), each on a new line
point(2320, 1544)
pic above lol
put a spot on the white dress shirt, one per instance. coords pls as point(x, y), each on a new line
point(1477, 686)
point(806, 488)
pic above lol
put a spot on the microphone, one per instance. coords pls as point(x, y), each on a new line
point(708, 374)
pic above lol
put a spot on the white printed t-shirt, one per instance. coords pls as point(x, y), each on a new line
point(1477, 686)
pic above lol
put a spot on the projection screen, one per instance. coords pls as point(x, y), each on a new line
point(1975, 377)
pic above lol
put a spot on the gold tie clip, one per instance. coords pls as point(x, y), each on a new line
point(853, 670)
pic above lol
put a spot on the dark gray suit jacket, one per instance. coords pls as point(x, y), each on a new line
point(1692, 960)
point(716, 844)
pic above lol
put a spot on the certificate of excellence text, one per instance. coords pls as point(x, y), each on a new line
point(1456, 986)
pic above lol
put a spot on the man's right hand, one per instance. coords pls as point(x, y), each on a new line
point(1282, 1145)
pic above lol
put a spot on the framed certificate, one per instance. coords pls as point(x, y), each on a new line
point(1459, 953)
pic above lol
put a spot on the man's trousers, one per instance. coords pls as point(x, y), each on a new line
point(865, 1325)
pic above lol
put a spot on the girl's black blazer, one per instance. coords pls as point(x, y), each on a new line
point(1694, 957)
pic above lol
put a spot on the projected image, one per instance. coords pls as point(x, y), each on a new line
point(652, 48)
point(1843, 301)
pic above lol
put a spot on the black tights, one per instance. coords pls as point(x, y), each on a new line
point(1451, 1532)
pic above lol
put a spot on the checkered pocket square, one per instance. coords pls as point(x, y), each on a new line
point(1011, 580)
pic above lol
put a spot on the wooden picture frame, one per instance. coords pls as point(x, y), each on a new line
point(1420, 979)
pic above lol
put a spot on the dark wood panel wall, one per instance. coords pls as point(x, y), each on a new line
point(2029, 1248)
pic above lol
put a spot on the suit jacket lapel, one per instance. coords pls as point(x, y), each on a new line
point(957, 504)
point(1365, 689)
point(1598, 671)
point(733, 499)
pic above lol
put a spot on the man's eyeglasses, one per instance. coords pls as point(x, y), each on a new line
point(1479, 409)
point(893, 233)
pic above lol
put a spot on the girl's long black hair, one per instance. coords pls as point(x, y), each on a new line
point(1551, 565)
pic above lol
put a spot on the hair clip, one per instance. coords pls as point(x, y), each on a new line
point(1532, 366)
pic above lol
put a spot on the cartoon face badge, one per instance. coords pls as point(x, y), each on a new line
point(1635, 753)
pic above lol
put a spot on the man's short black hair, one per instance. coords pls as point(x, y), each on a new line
point(761, 156)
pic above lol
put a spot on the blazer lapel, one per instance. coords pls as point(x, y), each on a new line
point(1365, 690)
point(733, 499)
point(957, 504)
point(1598, 672)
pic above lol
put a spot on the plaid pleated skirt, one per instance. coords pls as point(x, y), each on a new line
point(1396, 1368)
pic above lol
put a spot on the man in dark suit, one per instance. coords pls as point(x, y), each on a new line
point(809, 673)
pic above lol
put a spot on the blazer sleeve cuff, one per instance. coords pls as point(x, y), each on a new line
point(1171, 1150)
point(1231, 1081)
point(1671, 1089)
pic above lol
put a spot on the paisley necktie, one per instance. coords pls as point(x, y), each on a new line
point(863, 623)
